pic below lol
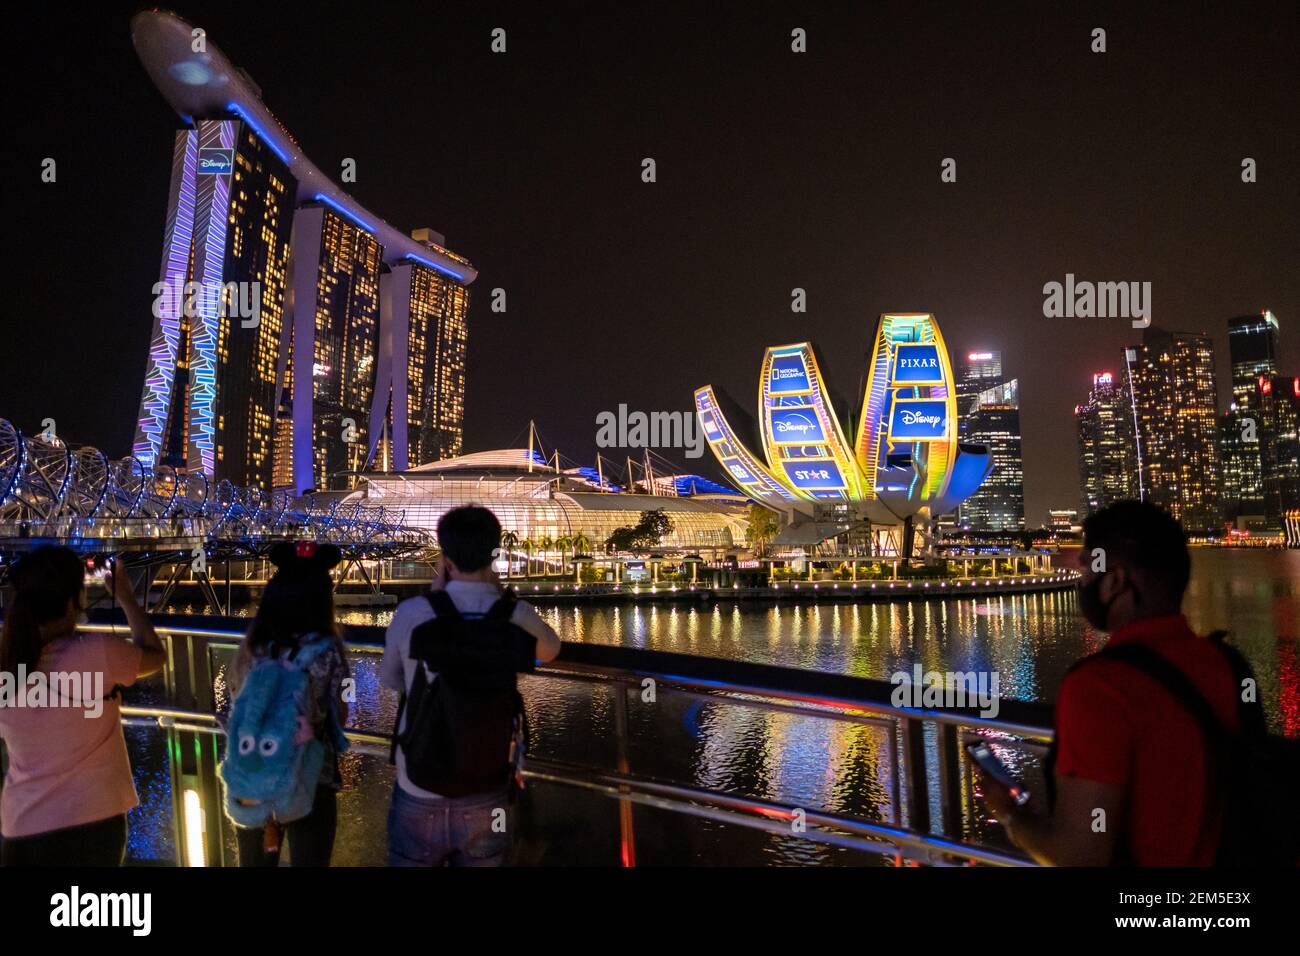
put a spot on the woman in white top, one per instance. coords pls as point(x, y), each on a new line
point(68, 786)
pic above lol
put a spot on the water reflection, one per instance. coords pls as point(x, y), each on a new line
point(812, 762)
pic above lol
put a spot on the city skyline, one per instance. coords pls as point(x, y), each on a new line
point(528, 210)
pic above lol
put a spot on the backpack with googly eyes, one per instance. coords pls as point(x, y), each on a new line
point(273, 759)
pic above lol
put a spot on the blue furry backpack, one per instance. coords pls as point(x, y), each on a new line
point(267, 775)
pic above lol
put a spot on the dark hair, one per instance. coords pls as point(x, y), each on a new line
point(40, 586)
point(1144, 538)
point(469, 536)
point(298, 600)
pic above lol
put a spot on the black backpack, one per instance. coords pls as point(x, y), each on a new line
point(1252, 776)
point(465, 727)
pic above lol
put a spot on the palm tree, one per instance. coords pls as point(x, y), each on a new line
point(510, 541)
point(528, 545)
point(581, 543)
point(546, 544)
point(563, 543)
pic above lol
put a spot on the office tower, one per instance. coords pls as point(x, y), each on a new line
point(976, 371)
point(1172, 376)
point(994, 422)
point(1107, 444)
point(1252, 346)
point(210, 380)
point(1280, 414)
point(264, 371)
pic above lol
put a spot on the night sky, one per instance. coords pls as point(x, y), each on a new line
point(775, 170)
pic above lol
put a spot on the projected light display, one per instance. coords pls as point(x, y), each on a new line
point(904, 460)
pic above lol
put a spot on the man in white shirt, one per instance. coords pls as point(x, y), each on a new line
point(427, 828)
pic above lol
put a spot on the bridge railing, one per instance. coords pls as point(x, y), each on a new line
point(930, 814)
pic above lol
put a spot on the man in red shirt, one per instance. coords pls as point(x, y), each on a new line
point(1131, 779)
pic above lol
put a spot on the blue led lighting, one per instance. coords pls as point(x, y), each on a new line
point(261, 134)
point(345, 212)
point(435, 266)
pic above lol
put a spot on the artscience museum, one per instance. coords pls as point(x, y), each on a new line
point(886, 473)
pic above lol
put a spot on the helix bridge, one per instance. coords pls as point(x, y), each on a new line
point(78, 497)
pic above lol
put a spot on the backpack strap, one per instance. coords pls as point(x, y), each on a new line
point(1250, 714)
point(1178, 684)
point(502, 609)
point(1214, 735)
point(442, 604)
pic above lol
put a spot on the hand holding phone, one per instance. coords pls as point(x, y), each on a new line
point(98, 569)
point(984, 757)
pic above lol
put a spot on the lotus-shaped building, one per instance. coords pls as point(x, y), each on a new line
point(904, 460)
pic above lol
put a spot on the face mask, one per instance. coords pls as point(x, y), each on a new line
point(1095, 611)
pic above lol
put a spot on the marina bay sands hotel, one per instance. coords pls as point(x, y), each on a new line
point(297, 337)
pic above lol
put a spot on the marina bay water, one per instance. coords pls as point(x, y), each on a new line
point(1030, 640)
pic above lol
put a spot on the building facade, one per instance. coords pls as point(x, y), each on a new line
point(1174, 399)
point(994, 422)
point(1108, 469)
point(271, 362)
point(208, 397)
point(1280, 414)
point(976, 372)
point(1252, 347)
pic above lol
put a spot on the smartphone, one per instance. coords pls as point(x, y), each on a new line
point(98, 568)
point(988, 761)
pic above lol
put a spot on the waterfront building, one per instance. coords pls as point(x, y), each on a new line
point(994, 422)
point(210, 378)
point(289, 366)
point(1108, 469)
point(1280, 418)
point(1252, 347)
point(537, 503)
point(425, 339)
point(1174, 400)
point(1064, 521)
point(977, 371)
point(904, 466)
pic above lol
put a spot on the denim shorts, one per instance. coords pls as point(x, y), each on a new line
point(475, 830)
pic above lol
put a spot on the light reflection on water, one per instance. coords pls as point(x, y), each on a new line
point(1028, 640)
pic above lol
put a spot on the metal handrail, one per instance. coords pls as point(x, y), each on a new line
point(790, 690)
point(750, 812)
point(825, 693)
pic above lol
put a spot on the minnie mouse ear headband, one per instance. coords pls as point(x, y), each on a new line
point(305, 554)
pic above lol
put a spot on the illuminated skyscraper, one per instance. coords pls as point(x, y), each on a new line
point(218, 307)
point(335, 343)
point(994, 422)
point(1174, 401)
point(1280, 414)
point(975, 372)
point(425, 344)
point(1107, 444)
point(1252, 346)
point(272, 368)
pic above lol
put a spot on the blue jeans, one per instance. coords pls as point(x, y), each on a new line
point(476, 830)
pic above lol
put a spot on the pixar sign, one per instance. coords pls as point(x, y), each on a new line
point(917, 363)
